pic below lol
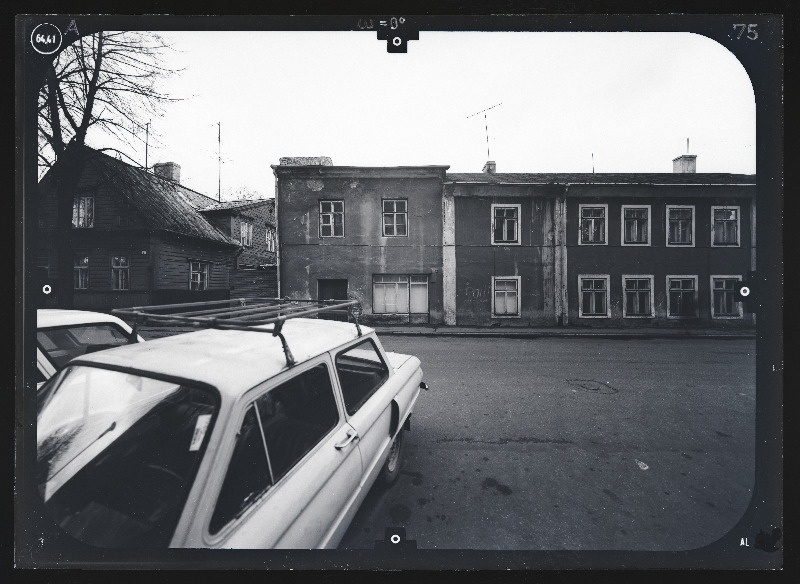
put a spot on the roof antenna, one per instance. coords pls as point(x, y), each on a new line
point(219, 162)
point(486, 124)
point(592, 162)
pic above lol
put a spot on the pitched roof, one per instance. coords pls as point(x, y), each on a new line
point(228, 205)
point(647, 178)
point(163, 204)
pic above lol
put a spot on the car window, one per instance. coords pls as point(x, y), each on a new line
point(64, 343)
point(361, 371)
point(117, 454)
point(278, 430)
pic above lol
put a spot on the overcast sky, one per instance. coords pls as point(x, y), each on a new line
point(631, 99)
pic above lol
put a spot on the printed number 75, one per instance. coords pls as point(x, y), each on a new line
point(750, 28)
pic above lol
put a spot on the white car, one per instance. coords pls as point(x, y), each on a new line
point(64, 334)
point(224, 438)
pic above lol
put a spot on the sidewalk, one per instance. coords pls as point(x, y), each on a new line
point(153, 332)
point(569, 331)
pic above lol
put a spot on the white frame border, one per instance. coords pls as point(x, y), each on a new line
point(650, 277)
point(580, 221)
point(519, 295)
point(607, 278)
point(649, 225)
point(711, 278)
point(518, 206)
point(696, 295)
point(666, 225)
point(738, 225)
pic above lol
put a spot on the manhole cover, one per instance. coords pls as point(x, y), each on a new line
point(593, 386)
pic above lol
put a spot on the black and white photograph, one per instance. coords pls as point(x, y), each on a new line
point(495, 292)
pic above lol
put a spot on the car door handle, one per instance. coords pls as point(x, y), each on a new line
point(351, 436)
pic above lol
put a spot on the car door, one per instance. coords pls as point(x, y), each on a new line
point(363, 377)
point(293, 470)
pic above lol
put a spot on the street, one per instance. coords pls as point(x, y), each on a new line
point(571, 444)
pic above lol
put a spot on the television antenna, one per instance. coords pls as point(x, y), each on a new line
point(486, 124)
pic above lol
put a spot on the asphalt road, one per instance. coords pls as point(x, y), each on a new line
point(571, 444)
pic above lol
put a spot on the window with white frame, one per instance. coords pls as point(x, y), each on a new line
point(331, 218)
point(681, 296)
point(723, 297)
point(198, 274)
point(246, 233)
point(505, 224)
point(399, 294)
point(83, 212)
point(635, 224)
point(395, 217)
point(638, 291)
point(724, 226)
point(271, 239)
point(80, 271)
point(593, 226)
point(120, 273)
point(593, 299)
point(505, 296)
point(680, 225)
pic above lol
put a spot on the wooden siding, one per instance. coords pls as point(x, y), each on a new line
point(171, 261)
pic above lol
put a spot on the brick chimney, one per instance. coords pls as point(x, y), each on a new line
point(168, 170)
point(685, 163)
point(490, 167)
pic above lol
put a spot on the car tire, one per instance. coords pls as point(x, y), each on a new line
point(391, 468)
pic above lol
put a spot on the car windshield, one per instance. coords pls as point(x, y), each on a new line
point(118, 452)
point(63, 343)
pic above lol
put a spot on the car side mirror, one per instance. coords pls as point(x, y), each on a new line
point(423, 385)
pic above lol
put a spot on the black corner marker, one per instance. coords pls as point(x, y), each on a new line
point(768, 542)
point(394, 539)
point(396, 31)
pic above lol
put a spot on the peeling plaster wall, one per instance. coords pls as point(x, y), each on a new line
point(363, 251)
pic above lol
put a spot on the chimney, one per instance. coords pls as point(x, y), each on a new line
point(306, 161)
point(168, 170)
point(685, 163)
point(490, 167)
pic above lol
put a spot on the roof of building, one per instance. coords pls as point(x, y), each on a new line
point(646, 178)
point(230, 205)
point(233, 361)
point(165, 205)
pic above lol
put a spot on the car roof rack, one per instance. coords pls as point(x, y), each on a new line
point(244, 314)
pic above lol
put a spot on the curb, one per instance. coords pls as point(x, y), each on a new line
point(571, 334)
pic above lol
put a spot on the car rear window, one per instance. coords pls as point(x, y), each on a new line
point(117, 453)
point(64, 343)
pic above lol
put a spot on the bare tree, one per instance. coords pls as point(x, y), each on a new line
point(106, 81)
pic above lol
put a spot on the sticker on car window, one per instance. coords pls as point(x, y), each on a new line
point(199, 431)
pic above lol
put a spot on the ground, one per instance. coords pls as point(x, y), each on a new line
point(572, 444)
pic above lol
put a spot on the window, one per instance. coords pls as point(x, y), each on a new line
point(723, 304)
point(635, 225)
point(83, 212)
point(594, 228)
point(395, 217)
point(331, 218)
point(505, 224)
point(594, 296)
point(725, 226)
point(505, 296)
point(198, 275)
point(120, 273)
point(401, 294)
point(681, 296)
point(246, 233)
point(271, 239)
point(680, 225)
point(638, 292)
point(80, 272)
point(361, 372)
point(278, 430)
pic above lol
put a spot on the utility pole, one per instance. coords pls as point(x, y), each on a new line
point(219, 162)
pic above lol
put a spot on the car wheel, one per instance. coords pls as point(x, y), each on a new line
point(391, 468)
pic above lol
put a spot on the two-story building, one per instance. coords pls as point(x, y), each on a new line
point(419, 244)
